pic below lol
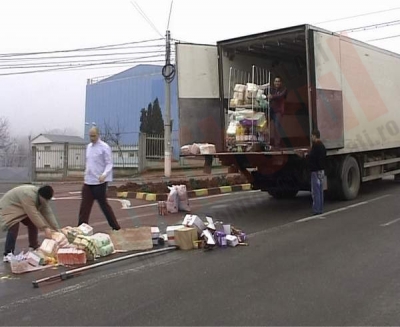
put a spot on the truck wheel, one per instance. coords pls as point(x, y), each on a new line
point(283, 194)
point(350, 179)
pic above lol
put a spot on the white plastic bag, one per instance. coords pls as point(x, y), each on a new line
point(173, 200)
point(183, 204)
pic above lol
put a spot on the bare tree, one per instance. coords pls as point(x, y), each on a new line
point(4, 133)
point(112, 136)
point(12, 151)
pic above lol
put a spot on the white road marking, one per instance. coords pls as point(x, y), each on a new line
point(341, 209)
point(390, 222)
point(219, 206)
point(76, 192)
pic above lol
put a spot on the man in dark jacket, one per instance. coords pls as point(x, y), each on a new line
point(277, 98)
point(317, 158)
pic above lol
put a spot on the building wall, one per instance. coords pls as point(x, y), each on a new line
point(120, 98)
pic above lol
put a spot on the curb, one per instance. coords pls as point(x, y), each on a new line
point(191, 194)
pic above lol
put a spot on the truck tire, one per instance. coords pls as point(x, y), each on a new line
point(350, 179)
point(283, 194)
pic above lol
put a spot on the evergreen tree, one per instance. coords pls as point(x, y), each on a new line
point(150, 124)
point(157, 119)
point(143, 121)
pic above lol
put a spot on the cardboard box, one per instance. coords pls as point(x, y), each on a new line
point(48, 247)
point(194, 221)
point(185, 236)
point(209, 237)
point(86, 229)
point(232, 240)
point(155, 235)
point(171, 233)
point(34, 259)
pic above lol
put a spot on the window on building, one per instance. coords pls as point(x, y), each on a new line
point(47, 148)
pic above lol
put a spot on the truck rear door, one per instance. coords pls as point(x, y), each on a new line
point(328, 85)
point(200, 117)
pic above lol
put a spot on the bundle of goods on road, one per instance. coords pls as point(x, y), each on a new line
point(72, 246)
point(194, 233)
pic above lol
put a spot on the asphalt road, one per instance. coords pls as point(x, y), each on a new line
point(341, 268)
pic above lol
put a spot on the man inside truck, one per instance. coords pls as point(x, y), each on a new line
point(277, 98)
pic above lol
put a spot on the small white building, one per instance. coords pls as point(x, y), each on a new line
point(54, 151)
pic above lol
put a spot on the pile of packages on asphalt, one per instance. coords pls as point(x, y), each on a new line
point(78, 245)
point(71, 246)
point(194, 233)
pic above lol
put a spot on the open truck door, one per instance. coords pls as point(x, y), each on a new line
point(200, 110)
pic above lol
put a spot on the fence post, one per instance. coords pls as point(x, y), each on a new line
point(32, 162)
point(65, 162)
point(142, 152)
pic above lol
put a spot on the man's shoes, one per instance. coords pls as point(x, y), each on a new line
point(7, 258)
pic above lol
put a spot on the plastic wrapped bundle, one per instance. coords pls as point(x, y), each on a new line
point(71, 256)
point(86, 244)
point(105, 250)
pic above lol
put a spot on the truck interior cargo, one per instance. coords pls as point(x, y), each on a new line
point(261, 58)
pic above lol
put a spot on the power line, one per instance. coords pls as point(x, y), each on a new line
point(79, 67)
point(74, 50)
point(170, 12)
point(128, 60)
point(57, 64)
point(41, 61)
point(384, 38)
point(368, 27)
point(146, 18)
point(89, 55)
point(361, 15)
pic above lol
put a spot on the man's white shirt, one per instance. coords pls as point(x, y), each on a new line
point(98, 162)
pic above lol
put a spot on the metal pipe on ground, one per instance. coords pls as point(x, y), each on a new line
point(70, 273)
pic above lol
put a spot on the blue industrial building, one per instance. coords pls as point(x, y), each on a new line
point(118, 100)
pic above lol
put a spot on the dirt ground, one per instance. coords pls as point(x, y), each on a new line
point(191, 184)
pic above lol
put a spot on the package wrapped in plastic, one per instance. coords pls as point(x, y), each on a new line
point(173, 200)
point(71, 232)
point(194, 149)
point(185, 150)
point(71, 256)
point(49, 247)
point(86, 244)
point(105, 250)
point(101, 239)
point(207, 148)
point(251, 90)
point(240, 88)
point(183, 203)
point(60, 239)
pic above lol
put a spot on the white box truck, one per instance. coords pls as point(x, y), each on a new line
point(347, 89)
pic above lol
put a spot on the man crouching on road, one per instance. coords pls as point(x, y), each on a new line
point(27, 204)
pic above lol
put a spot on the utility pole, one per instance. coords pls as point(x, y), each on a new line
point(168, 76)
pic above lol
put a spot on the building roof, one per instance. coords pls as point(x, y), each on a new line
point(136, 71)
point(54, 138)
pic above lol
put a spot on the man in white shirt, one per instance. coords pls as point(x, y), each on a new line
point(98, 173)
